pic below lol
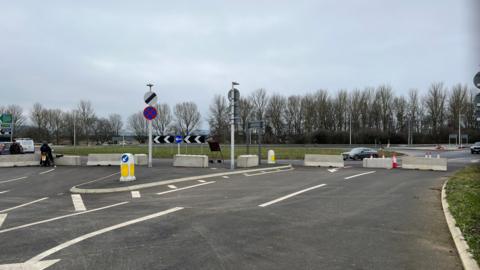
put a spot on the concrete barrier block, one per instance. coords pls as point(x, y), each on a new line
point(68, 161)
point(141, 159)
point(422, 163)
point(19, 160)
point(198, 161)
point(104, 159)
point(385, 163)
point(246, 161)
point(313, 160)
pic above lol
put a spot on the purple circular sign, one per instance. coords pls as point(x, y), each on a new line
point(150, 113)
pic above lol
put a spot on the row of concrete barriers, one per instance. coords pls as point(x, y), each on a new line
point(408, 162)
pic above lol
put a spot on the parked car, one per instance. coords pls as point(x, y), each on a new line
point(27, 145)
point(475, 148)
point(360, 153)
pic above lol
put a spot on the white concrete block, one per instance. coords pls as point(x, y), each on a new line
point(104, 159)
point(422, 163)
point(19, 160)
point(198, 161)
point(385, 163)
point(313, 160)
point(246, 161)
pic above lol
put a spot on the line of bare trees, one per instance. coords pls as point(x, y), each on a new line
point(375, 115)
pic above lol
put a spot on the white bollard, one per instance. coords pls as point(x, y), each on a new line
point(271, 157)
point(127, 167)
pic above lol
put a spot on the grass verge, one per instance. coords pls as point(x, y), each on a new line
point(281, 152)
point(463, 196)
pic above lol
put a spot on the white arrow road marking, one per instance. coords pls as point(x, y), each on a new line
point(201, 181)
point(136, 194)
point(178, 189)
point(291, 195)
point(78, 202)
point(11, 180)
point(29, 265)
point(4, 191)
point(37, 263)
point(22, 205)
point(47, 171)
point(332, 170)
point(2, 219)
point(60, 217)
point(172, 186)
point(357, 175)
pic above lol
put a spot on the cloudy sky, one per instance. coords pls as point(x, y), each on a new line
point(59, 52)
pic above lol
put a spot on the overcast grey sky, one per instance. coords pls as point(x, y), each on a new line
point(58, 52)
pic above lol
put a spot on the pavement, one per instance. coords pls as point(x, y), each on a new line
point(302, 218)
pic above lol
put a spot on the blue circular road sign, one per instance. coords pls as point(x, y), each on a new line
point(124, 158)
point(150, 113)
point(178, 139)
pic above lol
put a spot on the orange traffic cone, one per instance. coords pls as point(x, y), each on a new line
point(394, 161)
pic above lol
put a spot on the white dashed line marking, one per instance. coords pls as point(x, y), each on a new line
point(78, 202)
point(47, 171)
point(22, 205)
point(201, 181)
point(357, 175)
point(11, 180)
point(136, 194)
point(2, 219)
point(226, 177)
point(60, 217)
point(4, 191)
point(178, 189)
point(291, 195)
point(172, 186)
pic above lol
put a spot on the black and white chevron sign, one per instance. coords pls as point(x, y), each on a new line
point(164, 139)
point(194, 139)
point(171, 139)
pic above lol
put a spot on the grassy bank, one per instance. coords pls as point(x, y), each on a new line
point(281, 152)
point(463, 196)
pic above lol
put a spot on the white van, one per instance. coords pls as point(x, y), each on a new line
point(27, 145)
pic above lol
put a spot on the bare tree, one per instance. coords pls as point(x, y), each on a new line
point(435, 107)
point(274, 114)
point(163, 120)
point(103, 130)
point(54, 123)
point(385, 98)
point(187, 117)
point(139, 126)
point(293, 115)
point(115, 122)
point(414, 109)
point(457, 104)
point(400, 110)
point(259, 101)
point(86, 117)
point(246, 111)
point(219, 118)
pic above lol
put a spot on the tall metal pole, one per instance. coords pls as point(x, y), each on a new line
point(13, 127)
point(232, 128)
point(74, 131)
point(459, 131)
point(150, 135)
point(350, 128)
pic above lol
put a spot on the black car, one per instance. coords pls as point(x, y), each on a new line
point(475, 148)
point(360, 153)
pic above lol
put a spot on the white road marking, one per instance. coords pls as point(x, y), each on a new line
point(15, 179)
point(4, 191)
point(346, 167)
point(53, 250)
point(357, 175)
point(226, 177)
point(291, 195)
point(136, 194)
point(201, 181)
point(60, 217)
point(47, 171)
point(22, 205)
point(29, 265)
point(178, 189)
point(332, 170)
point(2, 219)
point(78, 202)
point(172, 186)
point(98, 179)
point(264, 172)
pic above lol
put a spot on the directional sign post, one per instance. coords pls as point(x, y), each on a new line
point(150, 113)
point(234, 97)
point(178, 141)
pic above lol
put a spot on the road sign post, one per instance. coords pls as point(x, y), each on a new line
point(150, 113)
point(233, 96)
point(178, 141)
